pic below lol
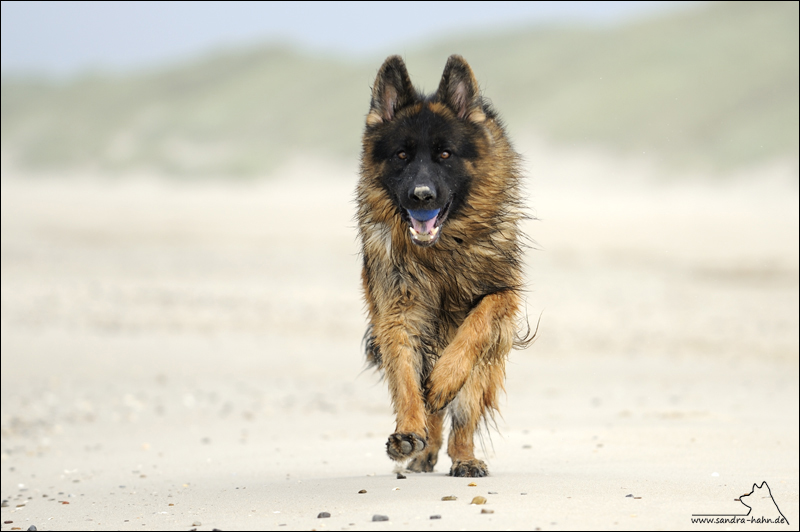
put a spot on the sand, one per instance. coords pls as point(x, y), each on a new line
point(180, 356)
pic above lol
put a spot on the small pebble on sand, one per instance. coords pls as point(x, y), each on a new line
point(377, 517)
point(323, 514)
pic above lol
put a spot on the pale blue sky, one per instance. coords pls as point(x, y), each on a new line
point(61, 38)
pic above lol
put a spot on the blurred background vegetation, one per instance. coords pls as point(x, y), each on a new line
point(712, 88)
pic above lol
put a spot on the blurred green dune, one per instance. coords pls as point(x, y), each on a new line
point(713, 87)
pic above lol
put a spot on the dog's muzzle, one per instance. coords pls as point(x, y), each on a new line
point(425, 225)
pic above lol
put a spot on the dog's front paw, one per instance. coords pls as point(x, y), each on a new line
point(442, 387)
point(448, 376)
point(469, 468)
point(404, 445)
point(436, 399)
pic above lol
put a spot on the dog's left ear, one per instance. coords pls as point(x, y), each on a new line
point(459, 90)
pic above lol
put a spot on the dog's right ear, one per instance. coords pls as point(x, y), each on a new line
point(392, 91)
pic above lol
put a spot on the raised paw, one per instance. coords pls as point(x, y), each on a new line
point(469, 468)
point(437, 400)
point(445, 381)
point(424, 462)
point(404, 445)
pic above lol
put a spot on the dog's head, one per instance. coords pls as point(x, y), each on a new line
point(424, 145)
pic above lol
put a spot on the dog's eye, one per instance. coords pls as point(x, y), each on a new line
point(402, 155)
point(445, 154)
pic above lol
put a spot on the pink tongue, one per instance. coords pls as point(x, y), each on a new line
point(425, 227)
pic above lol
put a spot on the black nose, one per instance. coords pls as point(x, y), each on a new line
point(423, 193)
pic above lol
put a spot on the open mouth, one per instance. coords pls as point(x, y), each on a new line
point(425, 225)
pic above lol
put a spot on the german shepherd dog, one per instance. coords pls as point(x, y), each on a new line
point(439, 211)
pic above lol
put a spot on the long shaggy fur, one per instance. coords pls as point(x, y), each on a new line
point(442, 316)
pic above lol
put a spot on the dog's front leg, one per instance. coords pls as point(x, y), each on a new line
point(488, 331)
point(401, 361)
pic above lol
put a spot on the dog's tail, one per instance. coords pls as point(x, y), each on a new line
point(523, 341)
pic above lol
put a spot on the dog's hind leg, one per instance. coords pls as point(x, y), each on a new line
point(476, 400)
point(424, 462)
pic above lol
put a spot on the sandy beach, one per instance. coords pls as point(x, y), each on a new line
point(187, 356)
